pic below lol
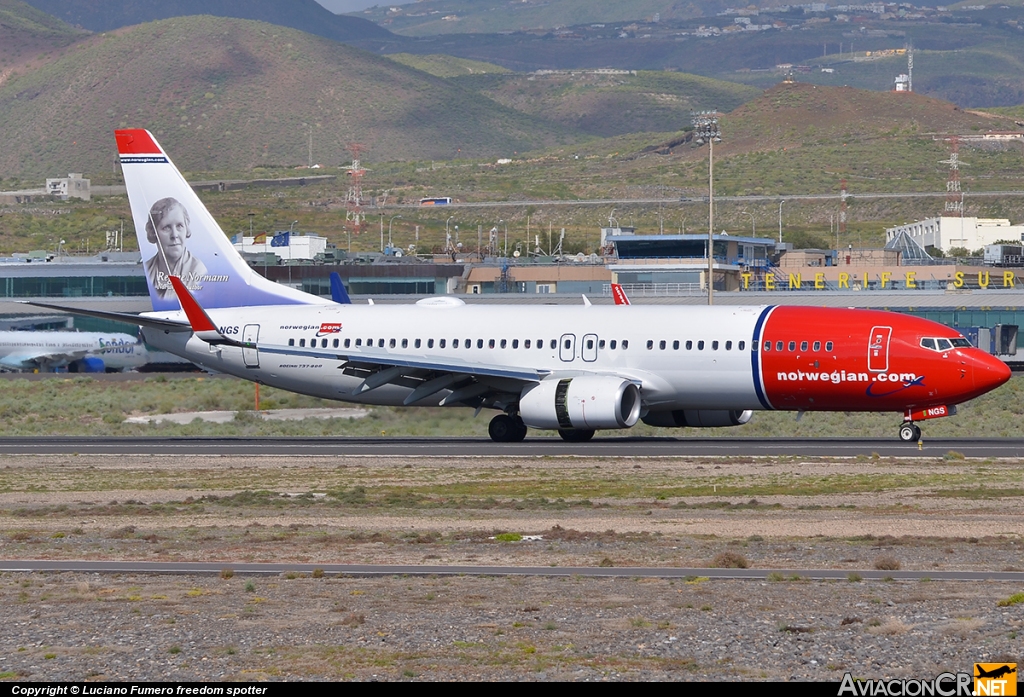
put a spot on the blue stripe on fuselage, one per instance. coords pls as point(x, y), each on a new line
point(755, 357)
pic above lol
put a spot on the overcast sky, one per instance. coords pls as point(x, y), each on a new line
point(339, 6)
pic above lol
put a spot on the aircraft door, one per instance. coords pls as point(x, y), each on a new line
point(567, 347)
point(251, 356)
point(589, 350)
point(878, 349)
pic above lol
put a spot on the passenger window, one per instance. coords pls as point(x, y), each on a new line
point(323, 343)
point(817, 345)
point(480, 343)
point(803, 345)
point(469, 343)
point(675, 345)
point(442, 343)
point(661, 344)
point(554, 344)
point(526, 343)
point(430, 343)
point(689, 345)
point(302, 343)
point(380, 343)
point(714, 345)
point(600, 344)
point(767, 346)
point(828, 346)
point(650, 344)
point(700, 345)
point(778, 346)
point(611, 344)
point(728, 346)
point(490, 343)
point(455, 343)
point(792, 346)
point(753, 347)
point(590, 343)
point(515, 343)
point(359, 342)
point(625, 344)
point(335, 343)
point(503, 343)
point(291, 342)
point(418, 343)
point(348, 343)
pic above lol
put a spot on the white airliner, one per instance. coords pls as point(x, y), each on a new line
point(572, 369)
point(81, 352)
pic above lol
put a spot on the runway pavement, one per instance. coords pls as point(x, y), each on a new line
point(531, 447)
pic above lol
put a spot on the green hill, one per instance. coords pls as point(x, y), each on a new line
point(304, 15)
point(26, 34)
point(607, 103)
point(234, 94)
point(446, 66)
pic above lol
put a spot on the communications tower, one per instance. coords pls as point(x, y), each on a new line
point(354, 215)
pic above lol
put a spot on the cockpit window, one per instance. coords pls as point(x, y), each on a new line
point(961, 342)
point(928, 344)
point(944, 344)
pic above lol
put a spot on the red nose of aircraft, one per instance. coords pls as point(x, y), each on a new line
point(989, 372)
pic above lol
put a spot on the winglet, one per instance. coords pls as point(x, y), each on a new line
point(202, 325)
point(619, 295)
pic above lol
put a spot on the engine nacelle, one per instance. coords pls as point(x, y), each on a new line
point(588, 402)
point(89, 364)
point(698, 418)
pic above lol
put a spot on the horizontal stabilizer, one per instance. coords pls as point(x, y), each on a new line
point(167, 325)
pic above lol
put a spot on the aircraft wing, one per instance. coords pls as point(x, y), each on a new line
point(28, 360)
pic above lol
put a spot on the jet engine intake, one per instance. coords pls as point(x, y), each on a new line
point(587, 402)
point(698, 418)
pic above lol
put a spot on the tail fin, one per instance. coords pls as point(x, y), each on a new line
point(179, 237)
point(338, 292)
point(619, 295)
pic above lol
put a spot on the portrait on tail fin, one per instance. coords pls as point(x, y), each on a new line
point(168, 226)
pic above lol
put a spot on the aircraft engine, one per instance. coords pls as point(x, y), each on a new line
point(588, 402)
point(698, 418)
point(89, 364)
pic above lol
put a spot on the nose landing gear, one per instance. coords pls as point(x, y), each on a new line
point(910, 432)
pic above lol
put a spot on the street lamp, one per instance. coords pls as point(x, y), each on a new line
point(753, 227)
point(389, 227)
point(705, 128)
point(447, 233)
point(292, 226)
point(780, 221)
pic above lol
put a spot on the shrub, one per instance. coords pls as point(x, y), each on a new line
point(729, 560)
point(887, 563)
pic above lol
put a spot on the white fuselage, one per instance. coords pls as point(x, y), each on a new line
point(561, 340)
point(27, 350)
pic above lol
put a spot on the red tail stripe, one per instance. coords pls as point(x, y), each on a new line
point(136, 141)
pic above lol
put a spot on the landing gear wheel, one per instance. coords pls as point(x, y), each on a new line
point(909, 433)
point(506, 429)
point(575, 435)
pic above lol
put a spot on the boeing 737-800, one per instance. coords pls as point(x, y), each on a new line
point(574, 369)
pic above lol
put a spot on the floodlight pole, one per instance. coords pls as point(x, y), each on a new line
point(705, 124)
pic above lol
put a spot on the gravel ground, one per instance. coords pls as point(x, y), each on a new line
point(777, 513)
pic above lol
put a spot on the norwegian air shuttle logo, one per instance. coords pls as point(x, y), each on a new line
point(904, 384)
point(328, 328)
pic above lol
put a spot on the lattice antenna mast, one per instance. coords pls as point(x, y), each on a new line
point(354, 215)
point(954, 195)
point(910, 68)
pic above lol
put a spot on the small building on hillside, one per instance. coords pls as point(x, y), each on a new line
point(947, 232)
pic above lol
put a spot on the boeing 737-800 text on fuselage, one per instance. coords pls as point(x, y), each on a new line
point(574, 369)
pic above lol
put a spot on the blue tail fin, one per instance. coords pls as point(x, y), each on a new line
point(338, 292)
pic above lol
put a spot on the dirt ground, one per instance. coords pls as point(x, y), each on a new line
point(766, 513)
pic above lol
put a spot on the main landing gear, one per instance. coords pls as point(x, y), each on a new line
point(910, 432)
point(506, 429)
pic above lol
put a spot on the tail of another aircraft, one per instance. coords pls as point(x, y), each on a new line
point(178, 236)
